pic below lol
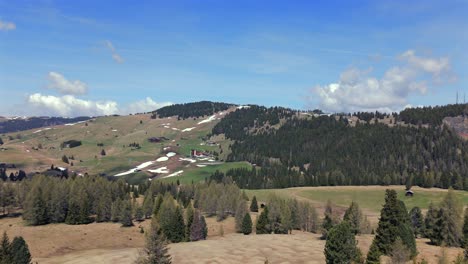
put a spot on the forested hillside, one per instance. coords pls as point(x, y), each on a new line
point(14, 125)
point(432, 115)
point(327, 151)
point(196, 109)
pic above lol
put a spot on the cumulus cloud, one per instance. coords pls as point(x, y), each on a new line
point(115, 56)
point(69, 105)
point(59, 83)
point(6, 26)
point(146, 105)
point(356, 90)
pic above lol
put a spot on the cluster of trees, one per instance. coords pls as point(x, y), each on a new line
point(280, 216)
point(432, 115)
point(368, 116)
point(70, 144)
point(239, 124)
point(188, 110)
point(17, 176)
point(396, 231)
point(327, 151)
point(16, 251)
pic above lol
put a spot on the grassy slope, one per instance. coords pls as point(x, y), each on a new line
point(199, 174)
point(100, 130)
point(368, 197)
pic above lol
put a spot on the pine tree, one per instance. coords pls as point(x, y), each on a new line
point(35, 207)
point(263, 223)
point(20, 251)
point(354, 217)
point(198, 230)
point(254, 205)
point(399, 253)
point(178, 228)
point(430, 223)
point(451, 220)
point(103, 152)
point(155, 250)
point(65, 159)
point(126, 214)
point(417, 221)
point(394, 222)
point(104, 207)
point(157, 204)
point(189, 214)
point(247, 224)
point(148, 204)
point(115, 210)
point(240, 213)
point(340, 247)
point(139, 215)
point(329, 221)
point(5, 250)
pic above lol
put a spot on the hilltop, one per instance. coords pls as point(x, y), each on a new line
point(288, 147)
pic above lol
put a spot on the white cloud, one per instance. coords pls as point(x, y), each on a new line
point(62, 85)
point(117, 58)
point(146, 105)
point(6, 26)
point(69, 105)
point(357, 91)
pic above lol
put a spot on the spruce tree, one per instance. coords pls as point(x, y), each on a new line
point(263, 223)
point(198, 230)
point(126, 214)
point(354, 217)
point(20, 251)
point(254, 205)
point(340, 247)
point(189, 214)
point(178, 227)
point(5, 250)
point(451, 220)
point(204, 227)
point(417, 221)
point(36, 207)
point(240, 213)
point(155, 250)
point(431, 223)
point(329, 221)
point(247, 224)
point(394, 222)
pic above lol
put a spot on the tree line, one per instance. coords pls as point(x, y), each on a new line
point(189, 110)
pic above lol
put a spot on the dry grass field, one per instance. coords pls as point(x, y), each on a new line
point(110, 243)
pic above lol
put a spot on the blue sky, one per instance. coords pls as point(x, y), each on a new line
point(100, 57)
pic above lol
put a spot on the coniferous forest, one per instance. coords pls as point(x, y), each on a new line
point(196, 109)
point(326, 150)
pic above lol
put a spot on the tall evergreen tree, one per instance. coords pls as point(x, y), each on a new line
point(20, 251)
point(254, 205)
point(465, 229)
point(126, 214)
point(394, 222)
point(36, 207)
point(155, 250)
point(329, 221)
point(263, 223)
point(189, 214)
point(341, 245)
point(354, 217)
point(5, 250)
point(451, 220)
point(240, 213)
point(247, 224)
point(198, 230)
point(417, 221)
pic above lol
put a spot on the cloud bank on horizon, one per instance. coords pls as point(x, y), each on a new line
point(69, 105)
point(356, 90)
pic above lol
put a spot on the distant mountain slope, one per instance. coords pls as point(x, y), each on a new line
point(196, 109)
point(431, 115)
point(21, 124)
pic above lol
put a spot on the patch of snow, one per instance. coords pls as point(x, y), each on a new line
point(160, 170)
point(166, 148)
point(201, 165)
point(188, 129)
point(162, 159)
point(144, 165)
point(125, 173)
point(174, 174)
point(209, 119)
point(243, 106)
point(211, 160)
point(170, 154)
point(37, 131)
point(61, 168)
point(188, 159)
point(175, 128)
point(28, 150)
point(114, 130)
point(166, 127)
point(202, 144)
point(47, 128)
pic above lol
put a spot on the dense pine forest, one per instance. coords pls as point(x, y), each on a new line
point(432, 115)
point(326, 150)
point(188, 110)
